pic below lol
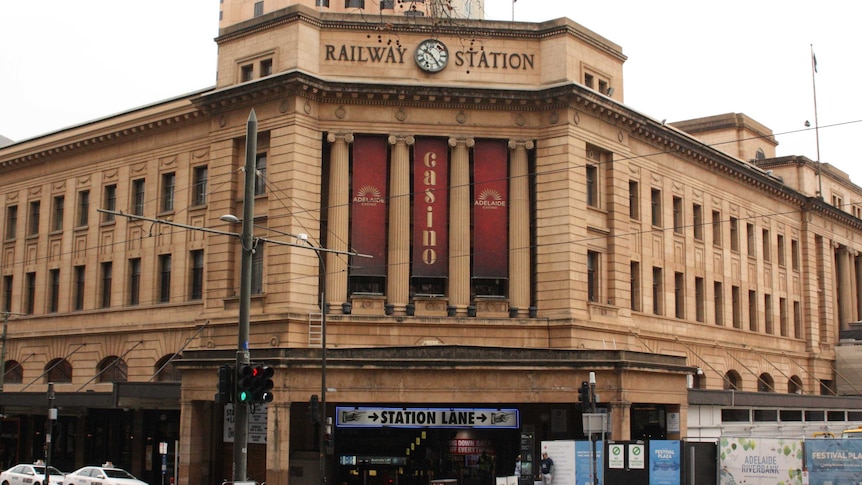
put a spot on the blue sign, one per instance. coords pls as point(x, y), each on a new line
point(584, 462)
point(664, 462)
point(833, 461)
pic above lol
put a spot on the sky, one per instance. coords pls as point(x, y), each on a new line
point(63, 62)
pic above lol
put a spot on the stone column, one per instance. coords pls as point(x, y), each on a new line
point(845, 294)
point(519, 228)
point(338, 224)
point(398, 266)
point(459, 224)
point(278, 442)
point(621, 418)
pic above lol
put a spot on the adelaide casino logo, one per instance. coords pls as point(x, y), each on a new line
point(368, 195)
point(490, 199)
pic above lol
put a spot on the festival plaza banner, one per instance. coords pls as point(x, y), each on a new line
point(665, 462)
point(430, 207)
point(490, 209)
point(760, 461)
point(833, 461)
point(368, 204)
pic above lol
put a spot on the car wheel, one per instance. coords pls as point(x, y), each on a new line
point(5, 482)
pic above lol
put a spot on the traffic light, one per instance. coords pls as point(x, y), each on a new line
point(263, 383)
point(225, 385)
point(584, 396)
point(254, 383)
point(245, 383)
point(314, 409)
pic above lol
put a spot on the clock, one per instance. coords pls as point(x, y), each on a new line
point(432, 55)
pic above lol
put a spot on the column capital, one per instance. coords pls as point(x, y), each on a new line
point(527, 144)
point(407, 139)
point(345, 137)
point(468, 142)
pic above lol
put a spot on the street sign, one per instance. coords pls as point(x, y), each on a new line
point(374, 417)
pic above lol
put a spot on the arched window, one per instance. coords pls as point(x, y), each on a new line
point(58, 370)
point(732, 380)
point(794, 385)
point(113, 369)
point(166, 371)
point(765, 383)
point(14, 372)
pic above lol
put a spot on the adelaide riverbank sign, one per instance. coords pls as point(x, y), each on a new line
point(376, 417)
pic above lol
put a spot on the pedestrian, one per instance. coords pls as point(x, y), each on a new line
point(546, 468)
point(518, 466)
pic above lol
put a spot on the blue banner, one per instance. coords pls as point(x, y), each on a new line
point(665, 458)
point(584, 460)
point(833, 461)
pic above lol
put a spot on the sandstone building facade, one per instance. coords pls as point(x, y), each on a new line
point(525, 228)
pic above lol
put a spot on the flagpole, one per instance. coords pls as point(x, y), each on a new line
point(816, 123)
point(513, 10)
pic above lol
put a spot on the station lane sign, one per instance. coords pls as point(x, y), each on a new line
point(381, 417)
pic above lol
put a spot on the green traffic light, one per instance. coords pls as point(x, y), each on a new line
point(244, 396)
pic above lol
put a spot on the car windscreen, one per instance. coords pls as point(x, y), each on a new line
point(116, 473)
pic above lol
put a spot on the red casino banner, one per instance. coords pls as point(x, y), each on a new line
point(368, 199)
point(431, 207)
point(490, 209)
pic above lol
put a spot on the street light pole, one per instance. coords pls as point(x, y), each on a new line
point(240, 440)
point(6, 316)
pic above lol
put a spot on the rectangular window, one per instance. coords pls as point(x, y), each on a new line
point(699, 299)
point(260, 174)
point(782, 316)
point(57, 213)
point(767, 313)
point(635, 285)
point(7, 293)
point(246, 72)
point(33, 222)
point(797, 320)
point(54, 295)
point(80, 282)
point(134, 281)
point(751, 240)
point(794, 254)
point(11, 221)
point(258, 9)
point(257, 271)
point(593, 276)
point(265, 67)
point(734, 234)
point(655, 199)
point(716, 229)
point(677, 215)
point(718, 296)
point(169, 180)
point(679, 294)
point(634, 200)
point(83, 208)
point(165, 278)
point(30, 294)
point(767, 246)
point(196, 278)
point(657, 291)
point(697, 221)
point(110, 202)
point(736, 306)
point(782, 256)
point(107, 277)
point(592, 186)
point(199, 185)
point(138, 197)
point(752, 310)
point(354, 3)
point(321, 3)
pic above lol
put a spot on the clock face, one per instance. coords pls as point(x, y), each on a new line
point(431, 55)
